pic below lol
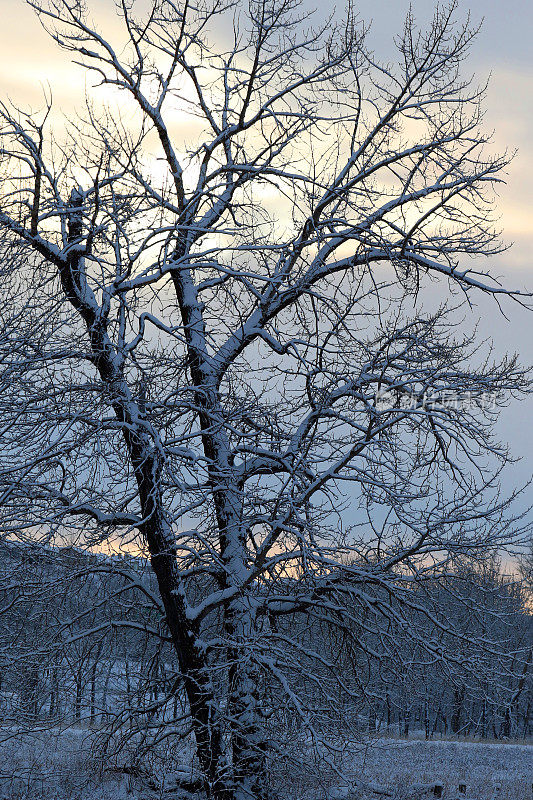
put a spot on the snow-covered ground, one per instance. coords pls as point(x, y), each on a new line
point(410, 770)
point(54, 765)
point(59, 766)
point(500, 771)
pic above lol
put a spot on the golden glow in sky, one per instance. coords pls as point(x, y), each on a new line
point(30, 63)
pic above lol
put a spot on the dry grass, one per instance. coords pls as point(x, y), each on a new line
point(59, 766)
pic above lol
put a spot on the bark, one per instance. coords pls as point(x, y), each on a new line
point(93, 692)
point(146, 463)
point(426, 719)
point(247, 743)
point(79, 697)
point(527, 713)
point(192, 661)
point(458, 700)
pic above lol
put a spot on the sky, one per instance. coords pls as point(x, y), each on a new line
point(29, 60)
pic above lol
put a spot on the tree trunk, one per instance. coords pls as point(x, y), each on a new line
point(79, 697)
point(527, 713)
point(458, 699)
point(93, 693)
point(203, 705)
point(144, 449)
point(248, 744)
point(484, 718)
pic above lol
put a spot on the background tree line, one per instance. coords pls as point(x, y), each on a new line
point(82, 643)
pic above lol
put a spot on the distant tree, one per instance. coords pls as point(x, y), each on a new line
point(526, 568)
point(230, 370)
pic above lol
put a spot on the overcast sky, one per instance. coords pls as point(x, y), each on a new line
point(503, 49)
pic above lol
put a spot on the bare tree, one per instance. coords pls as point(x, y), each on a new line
point(233, 372)
point(526, 567)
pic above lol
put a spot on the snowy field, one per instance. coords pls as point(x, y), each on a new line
point(49, 766)
point(489, 770)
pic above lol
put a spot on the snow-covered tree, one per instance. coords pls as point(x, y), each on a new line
point(230, 371)
point(526, 568)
